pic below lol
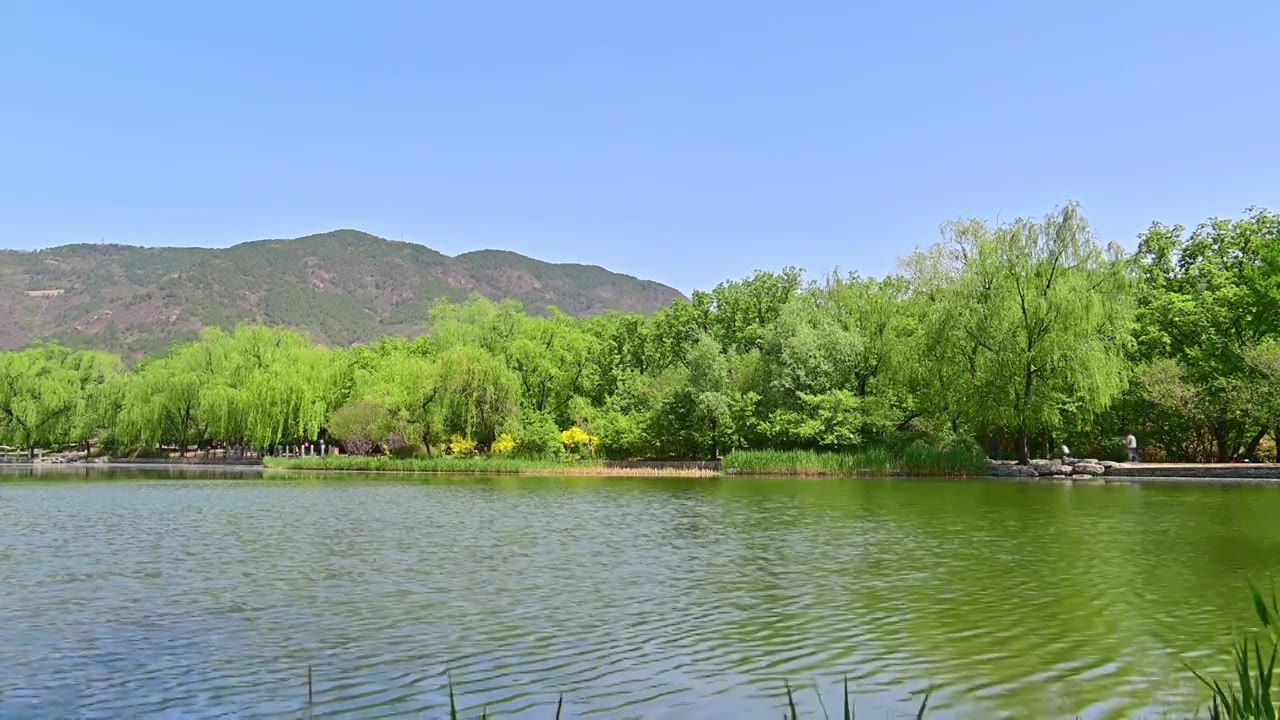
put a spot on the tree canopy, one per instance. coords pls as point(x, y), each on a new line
point(1015, 336)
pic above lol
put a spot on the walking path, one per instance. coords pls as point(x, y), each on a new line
point(1196, 471)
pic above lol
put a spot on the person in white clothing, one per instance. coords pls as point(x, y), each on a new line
point(1131, 445)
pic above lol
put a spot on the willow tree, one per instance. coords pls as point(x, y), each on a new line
point(479, 393)
point(101, 379)
point(163, 402)
point(938, 359)
point(1046, 313)
point(408, 386)
point(552, 356)
point(265, 386)
point(39, 395)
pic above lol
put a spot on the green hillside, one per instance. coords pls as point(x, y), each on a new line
point(342, 287)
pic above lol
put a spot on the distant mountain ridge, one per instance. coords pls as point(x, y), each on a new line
point(343, 287)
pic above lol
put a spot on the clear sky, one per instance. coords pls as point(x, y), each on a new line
point(685, 141)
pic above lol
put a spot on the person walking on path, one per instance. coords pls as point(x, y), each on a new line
point(1131, 445)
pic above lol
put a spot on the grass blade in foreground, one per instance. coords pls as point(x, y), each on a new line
point(848, 708)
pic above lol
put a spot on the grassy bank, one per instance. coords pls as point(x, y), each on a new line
point(484, 465)
point(487, 464)
point(916, 460)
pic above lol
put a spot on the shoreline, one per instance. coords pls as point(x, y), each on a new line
point(1188, 475)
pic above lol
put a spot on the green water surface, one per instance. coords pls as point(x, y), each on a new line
point(146, 594)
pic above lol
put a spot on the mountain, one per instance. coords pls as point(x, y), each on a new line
point(343, 287)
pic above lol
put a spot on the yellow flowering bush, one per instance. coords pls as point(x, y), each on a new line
point(459, 445)
point(575, 439)
point(504, 445)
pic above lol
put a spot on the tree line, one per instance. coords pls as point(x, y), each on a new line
point(1018, 337)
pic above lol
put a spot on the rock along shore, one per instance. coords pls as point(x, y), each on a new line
point(1089, 469)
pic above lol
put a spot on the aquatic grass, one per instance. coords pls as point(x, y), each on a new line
point(809, 462)
point(486, 464)
point(917, 460)
point(929, 460)
point(793, 712)
point(848, 707)
point(1269, 614)
point(1249, 698)
point(489, 465)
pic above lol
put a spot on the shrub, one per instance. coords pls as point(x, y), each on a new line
point(360, 422)
point(405, 451)
point(504, 445)
point(538, 436)
point(358, 445)
point(621, 435)
point(460, 446)
point(575, 439)
point(394, 441)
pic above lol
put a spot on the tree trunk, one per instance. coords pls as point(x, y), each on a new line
point(1252, 447)
point(1222, 453)
point(1024, 452)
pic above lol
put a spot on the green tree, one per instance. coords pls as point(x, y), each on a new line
point(710, 394)
point(1205, 300)
point(39, 396)
point(480, 393)
point(738, 312)
point(362, 425)
point(1048, 312)
point(263, 386)
point(162, 402)
point(101, 378)
point(552, 358)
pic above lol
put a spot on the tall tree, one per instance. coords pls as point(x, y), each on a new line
point(1205, 299)
point(40, 392)
point(1047, 310)
point(162, 402)
point(481, 394)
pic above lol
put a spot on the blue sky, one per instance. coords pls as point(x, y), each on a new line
point(688, 142)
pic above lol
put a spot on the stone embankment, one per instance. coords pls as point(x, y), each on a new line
point(1068, 469)
point(1072, 469)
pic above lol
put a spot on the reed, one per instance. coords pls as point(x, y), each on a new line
point(1249, 697)
point(483, 464)
point(792, 710)
point(917, 460)
point(488, 465)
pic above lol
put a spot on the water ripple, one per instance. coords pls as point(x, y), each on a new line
point(634, 598)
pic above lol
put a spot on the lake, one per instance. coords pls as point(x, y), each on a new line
point(140, 593)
